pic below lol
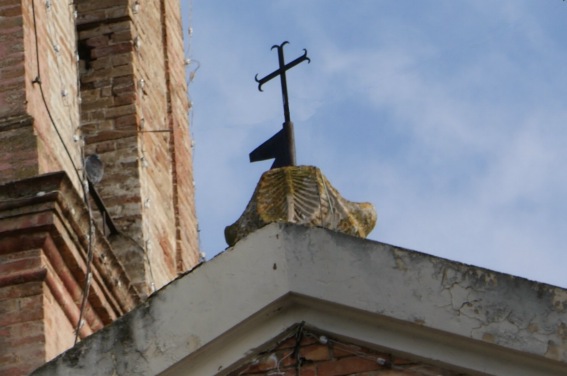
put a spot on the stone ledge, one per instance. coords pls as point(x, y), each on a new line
point(46, 213)
point(413, 305)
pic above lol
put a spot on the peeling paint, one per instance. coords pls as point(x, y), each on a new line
point(560, 300)
point(399, 261)
point(403, 296)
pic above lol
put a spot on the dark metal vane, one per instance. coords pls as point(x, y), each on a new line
point(280, 146)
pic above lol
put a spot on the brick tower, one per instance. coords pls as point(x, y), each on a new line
point(103, 77)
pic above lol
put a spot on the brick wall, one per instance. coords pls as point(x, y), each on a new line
point(22, 340)
point(29, 146)
point(180, 140)
point(51, 95)
point(322, 355)
point(18, 149)
point(132, 110)
point(134, 115)
point(111, 75)
point(12, 66)
point(27, 151)
point(42, 273)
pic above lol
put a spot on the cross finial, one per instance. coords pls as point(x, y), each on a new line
point(281, 146)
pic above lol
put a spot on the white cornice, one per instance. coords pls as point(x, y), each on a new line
point(413, 304)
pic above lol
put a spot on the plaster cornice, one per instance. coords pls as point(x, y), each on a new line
point(462, 317)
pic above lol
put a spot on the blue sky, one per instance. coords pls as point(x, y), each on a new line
point(449, 116)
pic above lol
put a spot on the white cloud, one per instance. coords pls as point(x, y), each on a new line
point(448, 117)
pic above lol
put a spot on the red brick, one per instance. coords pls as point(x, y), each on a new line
point(112, 50)
point(347, 366)
point(97, 41)
point(315, 352)
point(84, 6)
point(127, 121)
point(19, 265)
point(20, 290)
point(20, 310)
point(111, 101)
point(11, 11)
point(11, 22)
point(342, 350)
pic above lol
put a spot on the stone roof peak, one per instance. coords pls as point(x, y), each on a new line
point(301, 195)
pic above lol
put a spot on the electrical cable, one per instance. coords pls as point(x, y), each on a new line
point(297, 349)
point(88, 271)
point(54, 43)
point(191, 110)
point(37, 80)
point(324, 340)
point(147, 258)
point(300, 332)
point(82, 179)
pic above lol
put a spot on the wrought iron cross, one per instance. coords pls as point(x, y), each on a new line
point(280, 146)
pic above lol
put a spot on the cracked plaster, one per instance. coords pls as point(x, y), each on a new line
point(399, 299)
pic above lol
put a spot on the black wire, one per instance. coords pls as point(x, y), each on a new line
point(297, 350)
point(88, 270)
point(37, 80)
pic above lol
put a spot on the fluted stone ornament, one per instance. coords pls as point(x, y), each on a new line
point(301, 195)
